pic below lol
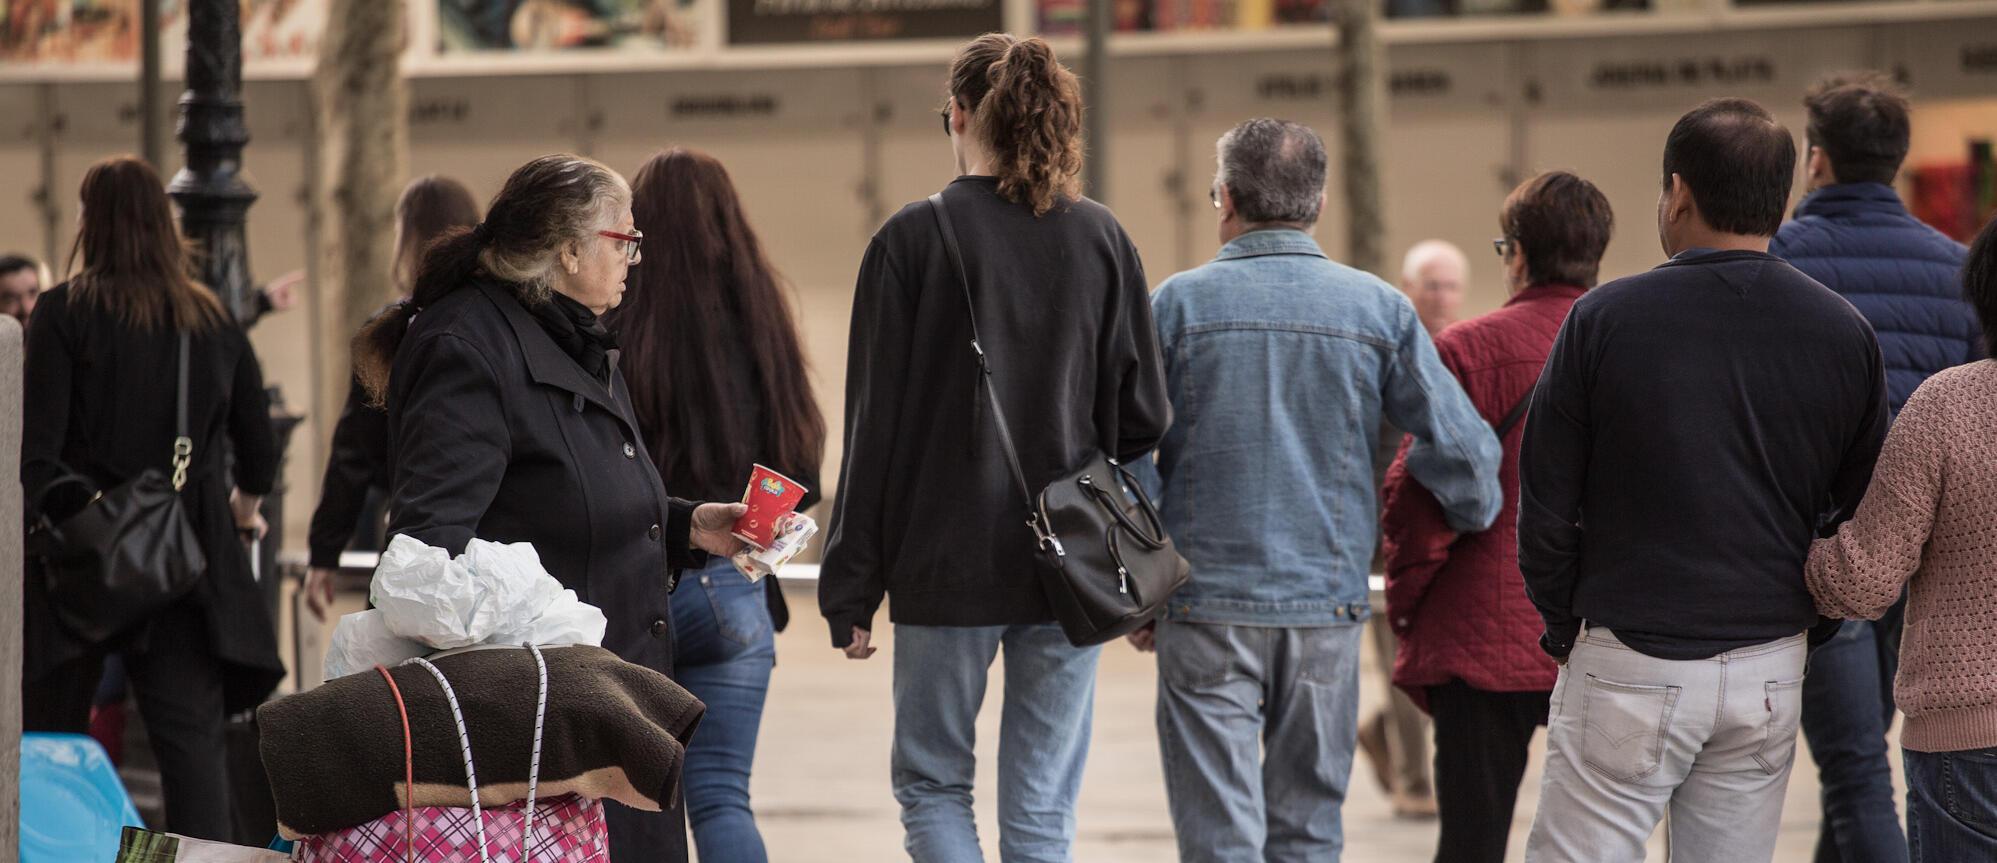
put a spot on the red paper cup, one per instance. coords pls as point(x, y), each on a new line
point(770, 497)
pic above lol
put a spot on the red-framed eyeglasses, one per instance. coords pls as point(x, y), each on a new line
point(629, 243)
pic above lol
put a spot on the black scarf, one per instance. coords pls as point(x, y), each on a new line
point(578, 332)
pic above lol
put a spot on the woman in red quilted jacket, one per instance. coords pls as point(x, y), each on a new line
point(1469, 638)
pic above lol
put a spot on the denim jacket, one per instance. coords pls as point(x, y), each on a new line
point(1281, 365)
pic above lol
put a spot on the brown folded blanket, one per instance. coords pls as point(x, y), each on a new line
point(614, 730)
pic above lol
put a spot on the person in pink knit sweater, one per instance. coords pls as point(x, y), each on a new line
point(1928, 523)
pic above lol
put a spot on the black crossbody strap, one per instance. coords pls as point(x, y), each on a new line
point(1518, 413)
point(180, 392)
point(183, 445)
point(956, 256)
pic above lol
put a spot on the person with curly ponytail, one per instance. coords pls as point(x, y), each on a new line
point(928, 508)
point(510, 422)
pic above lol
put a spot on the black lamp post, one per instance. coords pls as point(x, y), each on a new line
point(214, 199)
point(214, 205)
point(215, 202)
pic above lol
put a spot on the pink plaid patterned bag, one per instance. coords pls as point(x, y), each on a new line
point(567, 829)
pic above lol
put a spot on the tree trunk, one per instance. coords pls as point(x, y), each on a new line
point(362, 109)
point(1362, 99)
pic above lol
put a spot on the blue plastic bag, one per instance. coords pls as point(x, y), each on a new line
point(73, 807)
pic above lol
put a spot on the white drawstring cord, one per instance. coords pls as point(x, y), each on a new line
point(465, 741)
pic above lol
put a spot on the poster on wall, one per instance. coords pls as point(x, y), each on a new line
point(1064, 17)
point(563, 25)
point(762, 22)
point(84, 32)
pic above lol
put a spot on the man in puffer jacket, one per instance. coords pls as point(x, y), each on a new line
point(1854, 235)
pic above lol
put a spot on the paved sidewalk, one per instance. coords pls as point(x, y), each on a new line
point(821, 778)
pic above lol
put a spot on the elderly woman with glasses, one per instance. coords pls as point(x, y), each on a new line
point(509, 420)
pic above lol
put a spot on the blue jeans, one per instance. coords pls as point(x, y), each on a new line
point(939, 684)
point(1951, 806)
point(1847, 707)
point(723, 652)
point(1257, 725)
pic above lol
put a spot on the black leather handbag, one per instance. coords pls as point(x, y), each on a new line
point(130, 551)
point(1106, 564)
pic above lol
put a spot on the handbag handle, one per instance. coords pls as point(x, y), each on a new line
point(1156, 538)
point(464, 739)
point(408, 765)
point(66, 479)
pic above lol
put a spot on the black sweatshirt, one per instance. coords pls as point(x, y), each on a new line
point(1694, 428)
point(927, 509)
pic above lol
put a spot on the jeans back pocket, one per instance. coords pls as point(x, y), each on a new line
point(1783, 699)
point(741, 609)
point(1623, 727)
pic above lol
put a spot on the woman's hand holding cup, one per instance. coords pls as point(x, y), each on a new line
point(712, 523)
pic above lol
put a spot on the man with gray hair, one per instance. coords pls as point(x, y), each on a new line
point(1281, 365)
point(1436, 275)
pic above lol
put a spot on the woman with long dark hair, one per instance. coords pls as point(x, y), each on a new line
point(509, 420)
point(706, 322)
point(928, 510)
point(356, 481)
point(103, 352)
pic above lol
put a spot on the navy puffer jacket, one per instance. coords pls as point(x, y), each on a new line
point(1903, 276)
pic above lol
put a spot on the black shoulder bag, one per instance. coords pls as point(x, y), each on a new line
point(1106, 565)
point(131, 550)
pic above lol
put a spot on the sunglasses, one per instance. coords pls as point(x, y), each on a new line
point(1504, 246)
point(628, 244)
point(945, 111)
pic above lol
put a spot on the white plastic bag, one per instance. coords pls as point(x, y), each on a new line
point(362, 640)
point(426, 601)
point(424, 594)
point(565, 621)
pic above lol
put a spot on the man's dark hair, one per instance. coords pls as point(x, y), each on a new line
point(1561, 223)
point(1738, 163)
point(11, 264)
point(1274, 169)
point(1979, 283)
point(1860, 121)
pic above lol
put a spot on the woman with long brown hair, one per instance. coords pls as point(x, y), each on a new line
point(103, 353)
point(510, 420)
point(356, 480)
point(705, 322)
point(928, 509)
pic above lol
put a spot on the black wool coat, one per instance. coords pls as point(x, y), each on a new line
point(496, 433)
point(99, 402)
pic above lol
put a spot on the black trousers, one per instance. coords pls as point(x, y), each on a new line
point(178, 683)
point(1481, 743)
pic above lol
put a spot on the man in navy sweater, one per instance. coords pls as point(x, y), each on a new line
point(1853, 234)
point(1694, 427)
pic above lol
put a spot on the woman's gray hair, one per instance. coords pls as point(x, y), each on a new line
point(1274, 170)
point(550, 202)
